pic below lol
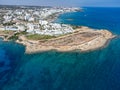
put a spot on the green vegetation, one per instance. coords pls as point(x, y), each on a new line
point(14, 37)
point(75, 27)
point(7, 32)
point(21, 33)
point(39, 37)
point(8, 24)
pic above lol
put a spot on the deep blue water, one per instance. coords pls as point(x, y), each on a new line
point(99, 18)
point(52, 70)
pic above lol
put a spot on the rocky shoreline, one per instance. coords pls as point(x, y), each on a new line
point(83, 39)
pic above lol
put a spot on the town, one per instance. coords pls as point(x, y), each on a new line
point(35, 27)
point(35, 20)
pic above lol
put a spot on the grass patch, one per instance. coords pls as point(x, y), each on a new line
point(16, 35)
point(39, 37)
point(21, 33)
point(7, 32)
point(75, 27)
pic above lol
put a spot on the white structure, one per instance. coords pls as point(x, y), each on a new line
point(21, 28)
point(30, 19)
point(2, 28)
point(30, 26)
point(11, 28)
point(31, 31)
point(43, 22)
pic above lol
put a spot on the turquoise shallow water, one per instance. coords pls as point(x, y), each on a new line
point(51, 70)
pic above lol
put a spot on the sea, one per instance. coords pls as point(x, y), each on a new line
point(75, 70)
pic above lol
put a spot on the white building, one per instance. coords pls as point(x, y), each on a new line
point(30, 26)
point(21, 28)
point(31, 19)
point(31, 31)
point(43, 22)
point(11, 28)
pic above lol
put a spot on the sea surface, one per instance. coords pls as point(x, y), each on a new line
point(52, 70)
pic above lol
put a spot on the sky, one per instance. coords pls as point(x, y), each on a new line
point(80, 3)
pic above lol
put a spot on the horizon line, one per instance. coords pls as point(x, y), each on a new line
point(60, 6)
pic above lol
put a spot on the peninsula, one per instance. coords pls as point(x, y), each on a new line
point(34, 28)
point(83, 39)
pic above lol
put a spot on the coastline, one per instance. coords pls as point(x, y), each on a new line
point(92, 63)
point(82, 39)
point(54, 16)
point(82, 43)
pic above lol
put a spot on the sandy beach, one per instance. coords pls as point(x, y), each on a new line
point(83, 39)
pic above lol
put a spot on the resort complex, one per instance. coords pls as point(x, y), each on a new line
point(34, 20)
